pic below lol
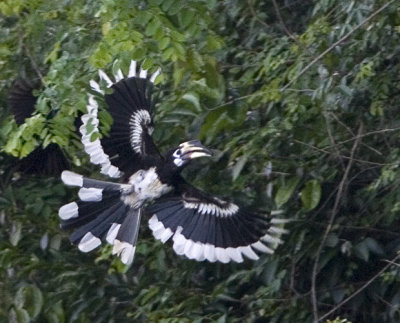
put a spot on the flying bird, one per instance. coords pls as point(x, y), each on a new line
point(202, 226)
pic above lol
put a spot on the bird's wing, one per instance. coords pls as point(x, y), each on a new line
point(129, 141)
point(209, 228)
point(21, 100)
point(43, 161)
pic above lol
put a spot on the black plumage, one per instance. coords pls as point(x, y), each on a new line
point(49, 161)
point(202, 227)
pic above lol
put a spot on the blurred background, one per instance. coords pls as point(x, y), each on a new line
point(299, 99)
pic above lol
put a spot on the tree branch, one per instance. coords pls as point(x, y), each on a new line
point(335, 209)
point(341, 40)
point(358, 291)
point(287, 31)
point(33, 63)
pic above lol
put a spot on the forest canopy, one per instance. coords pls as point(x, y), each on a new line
point(299, 99)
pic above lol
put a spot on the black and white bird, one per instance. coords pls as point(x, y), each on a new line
point(202, 227)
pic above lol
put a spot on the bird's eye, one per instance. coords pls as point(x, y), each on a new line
point(177, 153)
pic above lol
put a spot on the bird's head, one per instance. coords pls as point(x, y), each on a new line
point(185, 152)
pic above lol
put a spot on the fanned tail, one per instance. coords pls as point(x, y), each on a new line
point(100, 215)
point(126, 238)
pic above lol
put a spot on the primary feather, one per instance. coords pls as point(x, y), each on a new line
point(202, 227)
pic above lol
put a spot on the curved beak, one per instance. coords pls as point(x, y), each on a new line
point(194, 149)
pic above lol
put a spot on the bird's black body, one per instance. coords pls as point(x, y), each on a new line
point(202, 226)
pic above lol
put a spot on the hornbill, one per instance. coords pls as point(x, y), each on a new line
point(202, 227)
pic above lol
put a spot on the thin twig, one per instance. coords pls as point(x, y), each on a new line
point(369, 134)
point(358, 291)
point(392, 262)
point(292, 277)
point(33, 63)
point(350, 131)
point(343, 156)
point(287, 31)
point(341, 40)
point(335, 209)
point(332, 140)
point(253, 12)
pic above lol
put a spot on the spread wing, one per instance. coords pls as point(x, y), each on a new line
point(129, 141)
point(208, 228)
point(21, 100)
point(43, 161)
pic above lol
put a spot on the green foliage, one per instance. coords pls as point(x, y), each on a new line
point(285, 135)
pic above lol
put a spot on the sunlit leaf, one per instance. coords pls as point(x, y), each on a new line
point(311, 194)
point(286, 190)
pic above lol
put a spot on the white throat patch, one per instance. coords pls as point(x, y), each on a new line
point(178, 161)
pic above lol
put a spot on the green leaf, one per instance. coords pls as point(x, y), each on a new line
point(13, 144)
point(15, 234)
point(285, 191)
point(138, 53)
point(27, 148)
point(164, 42)
point(214, 42)
point(193, 99)
point(311, 194)
point(18, 315)
point(29, 298)
point(105, 28)
point(362, 250)
point(56, 313)
point(374, 246)
point(152, 27)
point(177, 36)
point(237, 168)
point(167, 53)
point(149, 294)
point(52, 56)
point(186, 16)
point(166, 4)
point(55, 242)
point(178, 75)
point(176, 7)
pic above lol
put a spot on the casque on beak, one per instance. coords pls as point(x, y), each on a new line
point(194, 149)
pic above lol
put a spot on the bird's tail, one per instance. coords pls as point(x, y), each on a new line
point(99, 215)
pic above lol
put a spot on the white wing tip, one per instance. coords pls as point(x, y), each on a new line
point(89, 242)
point(142, 74)
point(159, 231)
point(124, 250)
point(105, 77)
point(132, 69)
point(112, 233)
point(90, 194)
point(154, 76)
point(68, 211)
point(71, 178)
point(95, 86)
point(206, 251)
